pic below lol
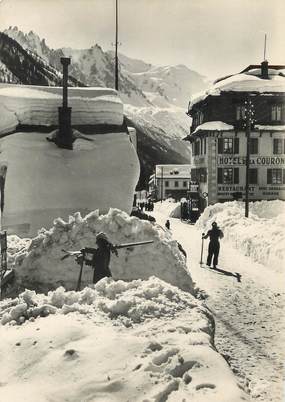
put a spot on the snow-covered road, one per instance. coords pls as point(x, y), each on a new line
point(250, 324)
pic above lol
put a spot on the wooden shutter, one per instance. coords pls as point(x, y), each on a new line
point(252, 176)
point(275, 145)
point(220, 175)
point(236, 145)
point(236, 175)
point(220, 145)
point(269, 176)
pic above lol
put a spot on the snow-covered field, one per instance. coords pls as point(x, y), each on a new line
point(136, 341)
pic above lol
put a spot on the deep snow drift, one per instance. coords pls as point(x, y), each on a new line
point(38, 265)
point(138, 341)
point(38, 106)
point(261, 236)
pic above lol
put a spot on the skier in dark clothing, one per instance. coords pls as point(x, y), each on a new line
point(167, 224)
point(214, 246)
point(101, 257)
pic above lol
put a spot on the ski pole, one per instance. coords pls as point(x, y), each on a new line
point(201, 260)
point(80, 274)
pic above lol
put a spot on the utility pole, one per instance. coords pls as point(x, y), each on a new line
point(249, 120)
point(161, 184)
point(116, 51)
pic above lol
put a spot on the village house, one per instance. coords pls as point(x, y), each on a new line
point(219, 140)
point(170, 181)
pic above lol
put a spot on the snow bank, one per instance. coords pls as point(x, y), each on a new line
point(36, 106)
point(169, 208)
point(129, 302)
point(38, 266)
point(137, 341)
point(261, 236)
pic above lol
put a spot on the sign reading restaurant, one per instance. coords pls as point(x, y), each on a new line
point(254, 160)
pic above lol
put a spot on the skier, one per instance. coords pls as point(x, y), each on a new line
point(101, 257)
point(214, 246)
point(167, 224)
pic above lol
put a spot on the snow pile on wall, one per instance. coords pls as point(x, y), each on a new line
point(129, 302)
point(261, 236)
point(39, 265)
point(39, 107)
point(44, 181)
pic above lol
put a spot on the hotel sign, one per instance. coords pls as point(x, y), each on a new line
point(254, 160)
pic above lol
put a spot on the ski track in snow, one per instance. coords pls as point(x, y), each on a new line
point(250, 322)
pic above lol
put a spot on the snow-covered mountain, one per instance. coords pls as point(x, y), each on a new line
point(155, 97)
point(141, 84)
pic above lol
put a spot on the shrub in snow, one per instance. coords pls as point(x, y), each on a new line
point(39, 266)
point(260, 236)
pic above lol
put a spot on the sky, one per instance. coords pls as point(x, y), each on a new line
point(212, 37)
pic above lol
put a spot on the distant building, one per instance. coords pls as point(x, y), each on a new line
point(170, 181)
point(219, 140)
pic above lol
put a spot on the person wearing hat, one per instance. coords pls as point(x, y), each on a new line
point(214, 246)
point(101, 257)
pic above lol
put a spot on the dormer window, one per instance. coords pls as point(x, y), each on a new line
point(276, 113)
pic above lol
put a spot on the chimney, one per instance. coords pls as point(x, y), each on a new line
point(264, 70)
point(64, 135)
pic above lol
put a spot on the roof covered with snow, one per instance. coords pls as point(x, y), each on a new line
point(38, 106)
point(214, 126)
point(248, 81)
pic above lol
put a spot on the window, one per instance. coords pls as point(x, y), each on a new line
point(197, 147)
point(276, 112)
point(166, 183)
point(228, 175)
point(200, 118)
point(274, 176)
point(240, 112)
point(277, 145)
point(176, 184)
point(253, 146)
point(185, 184)
point(228, 145)
point(205, 145)
point(252, 176)
point(194, 177)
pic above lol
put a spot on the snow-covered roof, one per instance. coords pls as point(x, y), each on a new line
point(245, 82)
point(31, 105)
point(214, 126)
point(270, 128)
